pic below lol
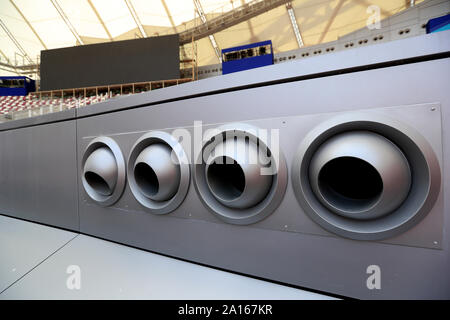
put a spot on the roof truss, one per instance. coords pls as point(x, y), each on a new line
point(100, 19)
point(66, 20)
point(28, 24)
point(135, 18)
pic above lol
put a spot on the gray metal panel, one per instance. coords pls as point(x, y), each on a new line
point(383, 52)
point(38, 174)
point(127, 273)
point(46, 118)
point(430, 236)
point(24, 245)
point(317, 261)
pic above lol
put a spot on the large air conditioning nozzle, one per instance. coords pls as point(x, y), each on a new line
point(156, 174)
point(235, 178)
point(360, 175)
point(100, 171)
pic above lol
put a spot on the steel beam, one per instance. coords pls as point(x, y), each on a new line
point(66, 21)
point(294, 24)
point(100, 19)
point(16, 43)
point(28, 23)
point(135, 18)
point(212, 39)
point(229, 19)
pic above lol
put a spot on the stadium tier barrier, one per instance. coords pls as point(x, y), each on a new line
point(40, 103)
point(19, 107)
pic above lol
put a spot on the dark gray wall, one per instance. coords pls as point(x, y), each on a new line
point(38, 174)
point(117, 62)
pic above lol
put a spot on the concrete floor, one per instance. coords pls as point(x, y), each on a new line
point(40, 262)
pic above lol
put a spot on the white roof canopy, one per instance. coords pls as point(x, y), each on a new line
point(38, 24)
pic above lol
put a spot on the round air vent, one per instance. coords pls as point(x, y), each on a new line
point(158, 172)
point(366, 177)
point(103, 170)
point(237, 177)
point(360, 175)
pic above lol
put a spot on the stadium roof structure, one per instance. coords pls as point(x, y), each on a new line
point(29, 26)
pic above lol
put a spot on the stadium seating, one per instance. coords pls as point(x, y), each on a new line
point(34, 104)
point(10, 104)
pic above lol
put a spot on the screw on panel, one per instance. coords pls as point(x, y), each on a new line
point(433, 108)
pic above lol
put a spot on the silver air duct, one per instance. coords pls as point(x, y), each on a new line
point(365, 176)
point(100, 171)
point(233, 178)
point(360, 175)
point(158, 172)
point(103, 171)
point(236, 175)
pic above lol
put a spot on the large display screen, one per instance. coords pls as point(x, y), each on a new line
point(118, 62)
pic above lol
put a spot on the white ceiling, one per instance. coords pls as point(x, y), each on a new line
point(318, 20)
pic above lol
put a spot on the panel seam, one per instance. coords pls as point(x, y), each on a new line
point(37, 265)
